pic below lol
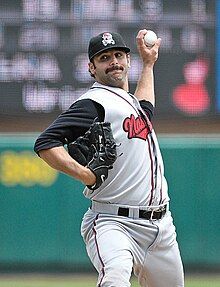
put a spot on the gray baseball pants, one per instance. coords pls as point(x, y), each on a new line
point(117, 245)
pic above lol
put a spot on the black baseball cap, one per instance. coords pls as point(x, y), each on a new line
point(106, 41)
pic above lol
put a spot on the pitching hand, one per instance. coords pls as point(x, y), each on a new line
point(148, 55)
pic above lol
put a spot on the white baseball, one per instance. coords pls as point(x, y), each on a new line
point(150, 38)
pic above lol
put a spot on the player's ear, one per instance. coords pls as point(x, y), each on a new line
point(91, 69)
point(129, 60)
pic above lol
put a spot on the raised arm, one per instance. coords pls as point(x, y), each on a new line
point(145, 85)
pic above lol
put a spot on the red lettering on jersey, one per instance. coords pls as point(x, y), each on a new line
point(136, 127)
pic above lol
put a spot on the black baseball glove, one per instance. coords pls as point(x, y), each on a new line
point(95, 150)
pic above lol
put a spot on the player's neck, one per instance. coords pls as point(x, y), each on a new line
point(124, 85)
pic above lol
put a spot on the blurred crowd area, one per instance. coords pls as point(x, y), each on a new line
point(43, 58)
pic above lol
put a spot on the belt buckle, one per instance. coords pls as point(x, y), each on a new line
point(155, 211)
point(162, 211)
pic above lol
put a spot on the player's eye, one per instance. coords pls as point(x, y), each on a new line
point(118, 55)
point(104, 57)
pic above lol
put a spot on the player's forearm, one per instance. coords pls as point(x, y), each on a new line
point(59, 159)
point(145, 85)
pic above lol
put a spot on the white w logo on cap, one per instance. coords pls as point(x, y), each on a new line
point(107, 39)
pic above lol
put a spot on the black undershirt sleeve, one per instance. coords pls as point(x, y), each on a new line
point(75, 122)
point(70, 124)
point(148, 108)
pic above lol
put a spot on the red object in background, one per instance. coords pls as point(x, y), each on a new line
point(192, 97)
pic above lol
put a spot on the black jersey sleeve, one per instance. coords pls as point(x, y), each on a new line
point(70, 124)
point(148, 108)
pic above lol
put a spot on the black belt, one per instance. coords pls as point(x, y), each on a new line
point(157, 214)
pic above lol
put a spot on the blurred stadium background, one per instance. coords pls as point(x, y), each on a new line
point(43, 69)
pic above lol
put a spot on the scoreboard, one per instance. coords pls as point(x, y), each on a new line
point(43, 53)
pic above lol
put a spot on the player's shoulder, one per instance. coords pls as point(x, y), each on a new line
point(148, 108)
point(91, 94)
point(87, 107)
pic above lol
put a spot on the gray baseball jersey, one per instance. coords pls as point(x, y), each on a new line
point(137, 178)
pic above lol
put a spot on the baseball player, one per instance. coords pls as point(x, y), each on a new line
point(129, 226)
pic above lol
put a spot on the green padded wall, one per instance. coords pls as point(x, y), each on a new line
point(41, 209)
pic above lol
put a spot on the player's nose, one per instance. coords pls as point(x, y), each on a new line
point(114, 60)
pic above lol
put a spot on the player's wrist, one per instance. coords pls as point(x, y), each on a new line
point(87, 176)
point(148, 66)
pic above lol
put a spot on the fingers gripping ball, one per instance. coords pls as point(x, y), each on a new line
point(150, 38)
point(96, 150)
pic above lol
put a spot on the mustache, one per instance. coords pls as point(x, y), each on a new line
point(114, 68)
